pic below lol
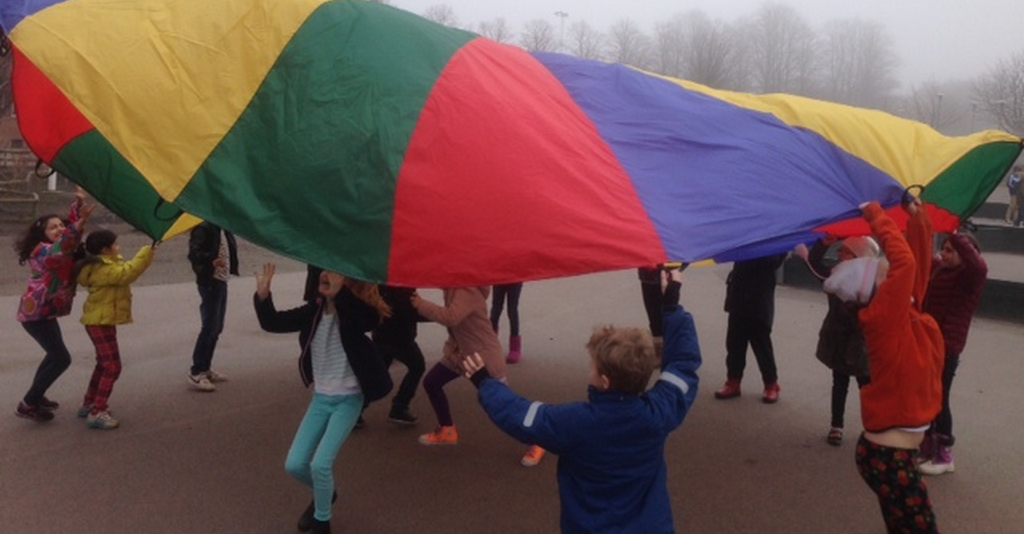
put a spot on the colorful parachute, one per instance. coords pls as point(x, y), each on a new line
point(367, 140)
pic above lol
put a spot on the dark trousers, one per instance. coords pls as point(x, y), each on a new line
point(651, 294)
point(412, 358)
point(840, 389)
point(902, 494)
point(743, 331)
point(212, 308)
point(512, 291)
point(55, 362)
point(943, 425)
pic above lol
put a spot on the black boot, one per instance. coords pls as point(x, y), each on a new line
point(321, 527)
point(306, 519)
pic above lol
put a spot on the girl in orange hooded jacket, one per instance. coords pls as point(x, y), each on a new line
point(905, 350)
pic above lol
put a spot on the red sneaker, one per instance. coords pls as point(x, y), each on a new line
point(771, 393)
point(729, 391)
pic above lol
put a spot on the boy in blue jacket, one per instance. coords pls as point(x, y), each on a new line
point(612, 475)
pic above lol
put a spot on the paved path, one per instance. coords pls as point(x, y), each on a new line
point(213, 463)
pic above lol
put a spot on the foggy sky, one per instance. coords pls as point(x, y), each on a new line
point(936, 40)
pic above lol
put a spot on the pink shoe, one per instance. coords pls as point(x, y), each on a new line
point(515, 346)
point(771, 393)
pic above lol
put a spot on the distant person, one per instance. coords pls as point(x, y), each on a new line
point(650, 292)
point(840, 340)
point(1013, 185)
point(499, 294)
point(612, 475)
point(750, 303)
point(343, 366)
point(905, 350)
point(214, 257)
point(108, 277)
point(954, 293)
point(48, 246)
point(1020, 205)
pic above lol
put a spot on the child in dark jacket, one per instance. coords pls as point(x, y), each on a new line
point(395, 339)
point(612, 475)
point(954, 292)
point(840, 340)
point(341, 362)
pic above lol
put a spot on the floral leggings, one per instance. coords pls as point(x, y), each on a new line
point(892, 474)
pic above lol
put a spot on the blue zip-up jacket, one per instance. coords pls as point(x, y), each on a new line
point(612, 476)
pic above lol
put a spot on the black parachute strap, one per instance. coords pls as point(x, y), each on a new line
point(908, 195)
point(166, 218)
point(5, 43)
point(39, 169)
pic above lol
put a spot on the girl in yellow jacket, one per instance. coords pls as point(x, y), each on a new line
point(108, 277)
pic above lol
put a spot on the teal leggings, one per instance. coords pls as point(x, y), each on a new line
point(323, 430)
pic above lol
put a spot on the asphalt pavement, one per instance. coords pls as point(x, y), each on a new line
point(185, 461)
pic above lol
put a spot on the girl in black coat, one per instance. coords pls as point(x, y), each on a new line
point(341, 362)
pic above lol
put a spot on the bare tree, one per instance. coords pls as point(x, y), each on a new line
point(496, 30)
point(1000, 93)
point(939, 105)
point(585, 42)
point(627, 44)
point(539, 36)
point(781, 51)
point(858, 64)
point(708, 50)
point(442, 14)
point(669, 44)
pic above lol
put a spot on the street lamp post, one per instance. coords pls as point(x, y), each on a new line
point(562, 15)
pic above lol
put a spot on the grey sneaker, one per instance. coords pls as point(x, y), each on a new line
point(216, 377)
point(200, 382)
point(102, 421)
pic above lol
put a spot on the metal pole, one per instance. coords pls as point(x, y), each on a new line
point(562, 15)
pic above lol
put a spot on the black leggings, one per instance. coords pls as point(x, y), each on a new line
point(512, 291)
point(943, 425)
point(840, 388)
point(57, 360)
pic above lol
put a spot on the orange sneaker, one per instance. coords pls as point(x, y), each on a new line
point(442, 435)
point(533, 456)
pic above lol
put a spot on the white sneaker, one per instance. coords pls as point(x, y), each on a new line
point(200, 382)
point(216, 377)
point(934, 468)
point(102, 421)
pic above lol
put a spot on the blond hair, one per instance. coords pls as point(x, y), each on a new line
point(370, 294)
point(625, 355)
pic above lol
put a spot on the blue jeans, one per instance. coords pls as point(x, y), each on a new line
point(212, 308)
point(327, 423)
point(57, 360)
